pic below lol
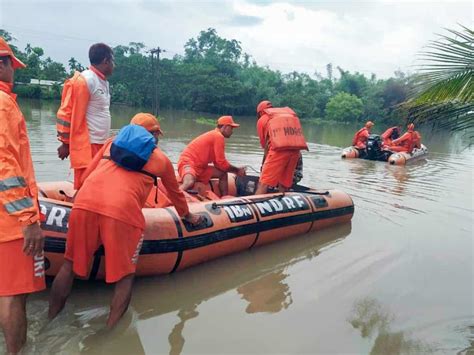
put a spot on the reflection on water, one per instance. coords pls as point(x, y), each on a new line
point(371, 318)
point(267, 294)
point(410, 246)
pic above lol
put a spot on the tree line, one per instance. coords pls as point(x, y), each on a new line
point(214, 75)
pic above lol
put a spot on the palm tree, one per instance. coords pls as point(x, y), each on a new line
point(443, 92)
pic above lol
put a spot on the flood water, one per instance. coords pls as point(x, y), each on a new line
point(397, 280)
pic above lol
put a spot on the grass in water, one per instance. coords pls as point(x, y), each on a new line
point(206, 121)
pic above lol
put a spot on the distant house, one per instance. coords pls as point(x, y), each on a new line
point(45, 83)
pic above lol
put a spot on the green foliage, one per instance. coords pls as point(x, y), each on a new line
point(29, 91)
point(214, 75)
point(443, 92)
point(344, 107)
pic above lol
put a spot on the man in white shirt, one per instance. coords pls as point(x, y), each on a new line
point(83, 120)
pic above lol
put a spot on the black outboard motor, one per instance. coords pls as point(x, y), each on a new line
point(374, 148)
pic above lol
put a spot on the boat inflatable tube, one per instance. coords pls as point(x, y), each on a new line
point(231, 225)
point(402, 158)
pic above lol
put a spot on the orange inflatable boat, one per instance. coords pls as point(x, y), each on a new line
point(232, 224)
point(399, 158)
point(375, 151)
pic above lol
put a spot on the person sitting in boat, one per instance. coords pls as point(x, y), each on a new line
point(108, 211)
point(390, 134)
point(208, 148)
point(281, 137)
point(406, 143)
point(360, 138)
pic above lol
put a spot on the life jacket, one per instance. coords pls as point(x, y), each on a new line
point(359, 139)
point(408, 141)
point(284, 129)
point(132, 148)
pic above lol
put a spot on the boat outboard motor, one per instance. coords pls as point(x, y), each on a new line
point(374, 147)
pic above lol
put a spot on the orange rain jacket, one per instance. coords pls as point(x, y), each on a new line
point(360, 138)
point(115, 192)
point(18, 190)
point(208, 148)
point(71, 122)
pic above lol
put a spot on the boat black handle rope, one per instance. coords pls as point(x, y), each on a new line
point(216, 205)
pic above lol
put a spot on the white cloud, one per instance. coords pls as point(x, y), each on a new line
point(377, 36)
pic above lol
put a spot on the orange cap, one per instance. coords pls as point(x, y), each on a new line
point(411, 127)
point(148, 121)
point(5, 50)
point(263, 105)
point(369, 124)
point(227, 121)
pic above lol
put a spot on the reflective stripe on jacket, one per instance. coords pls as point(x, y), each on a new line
point(18, 190)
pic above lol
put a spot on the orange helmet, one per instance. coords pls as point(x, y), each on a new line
point(263, 105)
point(148, 121)
point(411, 127)
point(369, 124)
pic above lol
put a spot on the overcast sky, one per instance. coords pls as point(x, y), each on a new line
point(378, 36)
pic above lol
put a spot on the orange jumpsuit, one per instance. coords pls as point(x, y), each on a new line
point(279, 166)
point(18, 199)
point(108, 210)
point(360, 138)
point(405, 143)
point(203, 150)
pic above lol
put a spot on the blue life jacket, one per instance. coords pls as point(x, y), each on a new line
point(132, 147)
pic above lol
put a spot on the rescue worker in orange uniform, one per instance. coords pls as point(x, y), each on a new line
point(117, 222)
point(362, 135)
point(406, 143)
point(83, 119)
point(279, 163)
point(209, 147)
point(21, 238)
point(390, 134)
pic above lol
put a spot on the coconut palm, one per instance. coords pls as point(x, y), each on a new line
point(444, 87)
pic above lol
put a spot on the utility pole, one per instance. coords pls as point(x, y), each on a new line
point(155, 62)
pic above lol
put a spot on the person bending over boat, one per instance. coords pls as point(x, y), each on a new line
point(194, 162)
point(390, 135)
point(21, 239)
point(108, 211)
point(83, 119)
point(406, 143)
point(281, 137)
